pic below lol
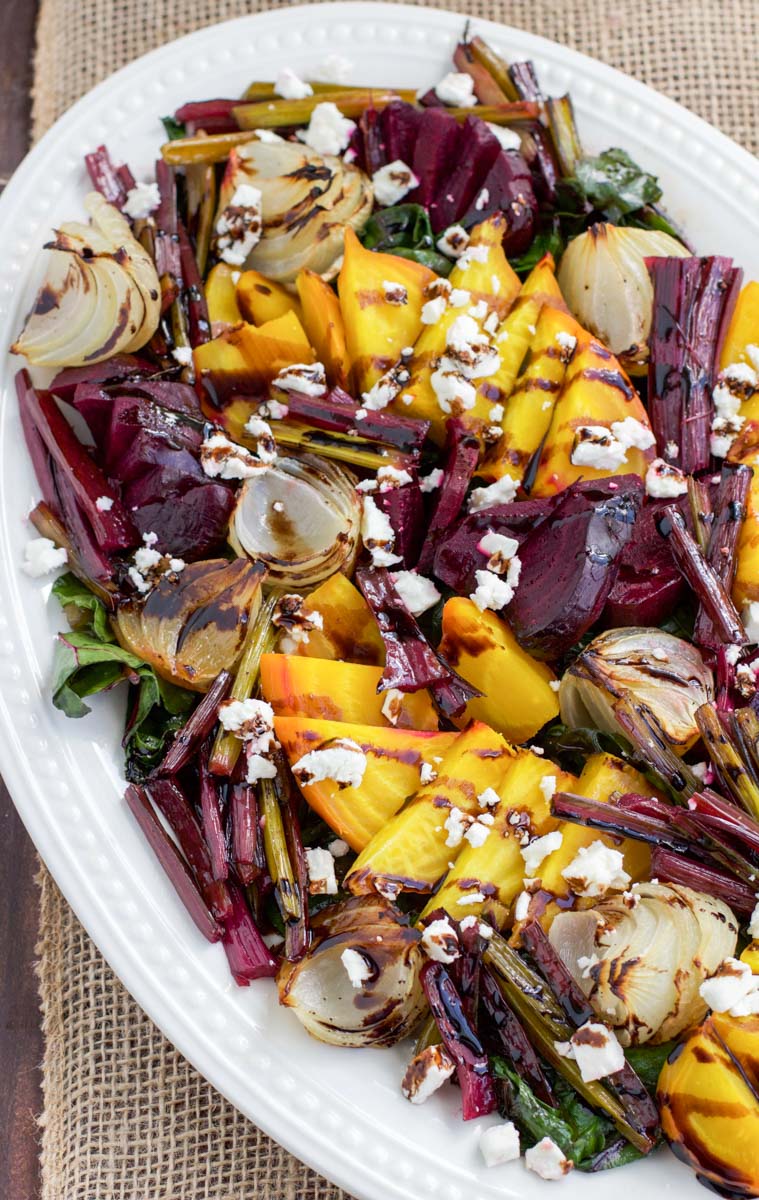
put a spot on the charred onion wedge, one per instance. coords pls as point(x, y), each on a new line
point(319, 990)
point(193, 624)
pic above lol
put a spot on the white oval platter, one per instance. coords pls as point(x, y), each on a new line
point(339, 1110)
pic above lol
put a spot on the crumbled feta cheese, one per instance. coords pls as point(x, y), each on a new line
point(290, 86)
point(547, 786)
point(522, 906)
point(145, 559)
point(392, 182)
point(595, 1049)
point(503, 491)
point(41, 556)
point(671, 450)
point(736, 384)
point(732, 989)
point(328, 130)
point(491, 592)
point(456, 824)
point(453, 242)
point(427, 773)
point(338, 848)
point(239, 226)
point(499, 1144)
point(595, 446)
point(259, 767)
point(470, 350)
point(342, 762)
point(633, 434)
point(395, 293)
point(501, 550)
point(536, 851)
point(547, 1160)
point(489, 798)
point(440, 941)
point(509, 138)
point(586, 963)
point(753, 925)
point(386, 480)
point(496, 413)
point(355, 963)
point(260, 431)
point(665, 482)
point(378, 535)
point(554, 684)
point(387, 387)
point(724, 431)
point(104, 504)
point(289, 615)
point(265, 135)
point(479, 830)
point(482, 200)
point(431, 482)
point(250, 720)
point(595, 869)
point(432, 310)
point(222, 459)
point(426, 1072)
point(142, 200)
point(416, 591)
point(479, 310)
point(472, 898)
point(453, 392)
point(456, 89)
point(474, 254)
point(308, 378)
point(392, 705)
point(182, 355)
point(459, 297)
point(321, 868)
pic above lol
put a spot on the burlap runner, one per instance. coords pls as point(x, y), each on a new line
point(126, 1118)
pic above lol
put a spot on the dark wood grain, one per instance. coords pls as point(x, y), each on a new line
point(20, 1033)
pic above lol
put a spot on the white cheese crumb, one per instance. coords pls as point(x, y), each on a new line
point(250, 720)
point(265, 135)
point(595, 1049)
point(239, 226)
point(416, 591)
point(182, 355)
point(499, 1144)
point(474, 254)
point(479, 830)
point(259, 767)
point(500, 549)
point(665, 482)
point(432, 310)
point(392, 705)
point(733, 988)
point(329, 132)
point(222, 459)
point(536, 851)
point(509, 138)
point(427, 773)
point(427, 1071)
point(753, 925)
point(459, 297)
point(260, 431)
point(290, 86)
point(503, 491)
point(104, 503)
point(489, 798)
point(359, 970)
point(596, 447)
point(342, 762)
point(41, 556)
point(472, 898)
point(554, 684)
point(377, 534)
point(308, 378)
point(750, 618)
point(395, 293)
point(522, 906)
point(142, 200)
point(479, 310)
point(633, 434)
point(431, 482)
point(453, 392)
point(453, 242)
point(440, 941)
point(456, 89)
point(595, 869)
point(392, 182)
point(547, 1160)
point(456, 824)
point(321, 872)
point(547, 786)
point(338, 848)
point(482, 200)
point(496, 413)
point(491, 592)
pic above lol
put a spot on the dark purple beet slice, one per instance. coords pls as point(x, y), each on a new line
point(649, 586)
point(435, 147)
point(457, 557)
point(404, 507)
point(373, 145)
point(509, 189)
point(569, 564)
point(462, 454)
point(190, 525)
point(400, 126)
point(475, 154)
point(120, 367)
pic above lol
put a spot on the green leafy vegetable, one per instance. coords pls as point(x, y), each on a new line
point(174, 129)
point(405, 230)
point(548, 240)
point(647, 1062)
point(571, 747)
point(582, 1134)
point(88, 660)
point(614, 185)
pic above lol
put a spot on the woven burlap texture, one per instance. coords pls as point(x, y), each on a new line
point(126, 1117)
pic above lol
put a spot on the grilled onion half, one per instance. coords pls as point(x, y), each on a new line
point(645, 955)
point(319, 990)
point(192, 625)
point(307, 201)
point(302, 518)
point(645, 666)
point(101, 294)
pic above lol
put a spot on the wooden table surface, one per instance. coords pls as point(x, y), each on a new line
point(20, 1033)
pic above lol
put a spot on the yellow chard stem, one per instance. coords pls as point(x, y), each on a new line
point(261, 638)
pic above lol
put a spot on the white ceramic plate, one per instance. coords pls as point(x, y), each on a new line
point(339, 1110)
